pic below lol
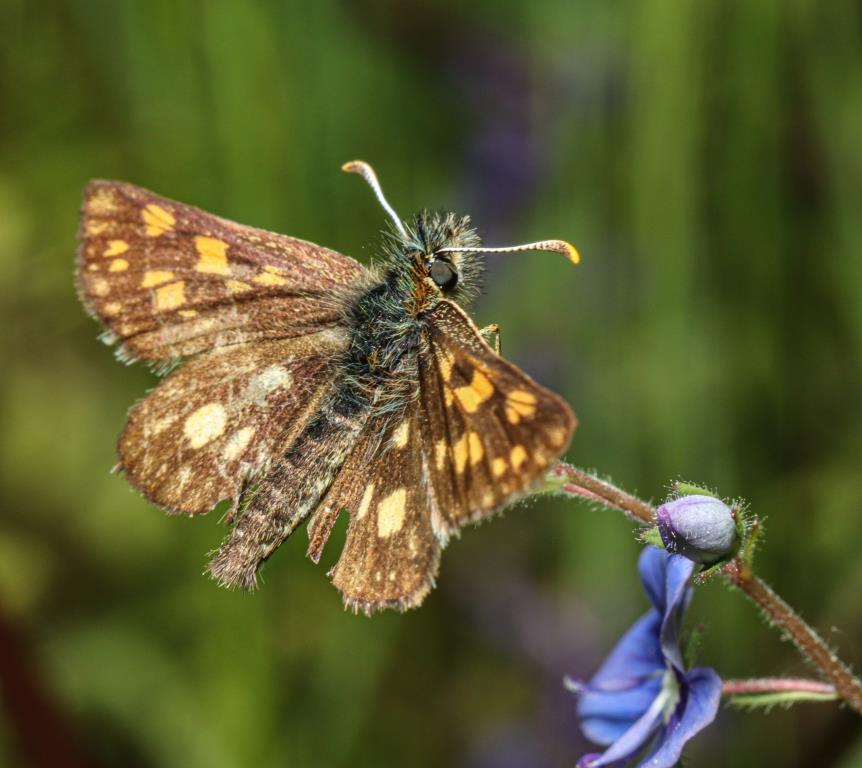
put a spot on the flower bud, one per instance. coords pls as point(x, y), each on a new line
point(701, 528)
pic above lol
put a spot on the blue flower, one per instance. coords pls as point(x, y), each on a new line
point(642, 696)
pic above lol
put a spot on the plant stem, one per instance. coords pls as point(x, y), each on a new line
point(776, 685)
point(808, 642)
point(601, 490)
point(575, 482)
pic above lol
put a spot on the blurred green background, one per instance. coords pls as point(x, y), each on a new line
point(704, 156)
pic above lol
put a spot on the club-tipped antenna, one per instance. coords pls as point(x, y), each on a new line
point(557, 246)
point(361, 168)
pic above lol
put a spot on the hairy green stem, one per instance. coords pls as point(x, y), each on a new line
point(575, 482)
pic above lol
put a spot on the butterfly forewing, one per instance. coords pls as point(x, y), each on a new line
point(218, 422)
point(170, 280)
point(490, 430)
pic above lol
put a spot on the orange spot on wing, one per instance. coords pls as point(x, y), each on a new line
point(237, 286)
point(475, 393)
point(269, 277)
point(517, 456)
point(153, 277)
point(157, 220)
point(213, 255)
point(170, 296)
point(116, 247)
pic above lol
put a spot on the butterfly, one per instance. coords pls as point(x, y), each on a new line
point(299, 384)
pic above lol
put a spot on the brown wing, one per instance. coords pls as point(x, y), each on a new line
point(489, 431)
point(391, 554)
point(169, 280)
point(217, 423)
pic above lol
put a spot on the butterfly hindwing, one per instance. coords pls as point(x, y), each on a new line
point(490, 431)
point(478, 434)
point(220, 420)
point(391, 554)
point(169, 280)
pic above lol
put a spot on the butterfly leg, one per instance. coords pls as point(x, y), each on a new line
point(492, 330)
point(280, 502)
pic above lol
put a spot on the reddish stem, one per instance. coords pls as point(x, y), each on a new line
point(776, 685)
point(585, 485)
point(809, 643)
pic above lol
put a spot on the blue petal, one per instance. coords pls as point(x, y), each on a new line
point(678, 570)
point(652, 565)
point(605, 717)
point(637, 655)
point(635, 738)
point(697, 709)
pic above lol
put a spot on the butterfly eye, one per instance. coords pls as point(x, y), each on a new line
point(444, 275)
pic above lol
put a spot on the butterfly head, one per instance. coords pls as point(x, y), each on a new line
point(437, 248)
point(441, 251)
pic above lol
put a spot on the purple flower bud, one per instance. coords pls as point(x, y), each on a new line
point(700, 528)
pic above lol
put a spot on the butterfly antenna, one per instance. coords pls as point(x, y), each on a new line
point(557, 246)
point(361, 168)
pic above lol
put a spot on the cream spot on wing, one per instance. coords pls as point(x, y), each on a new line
point(183, 476)
point(440, 452)
point(237, 286)
point(475, 393)
point(213, 255)
point(170, 296)
point(93, 267)
point(154, 277)
point(160, 425)
point(157, 220)
point(401, 435)
point(116, 247)
point(448, 396)
point(475, 447)
point(269, 379)
point(391, 512)
point(499, 467)
point(96, 227)
point(517, 456)
point(100, 287)
point(237, 443)
point(488, 498)
point(205, 424)
point(365, 503)
point(118, 265)
point(188, 313)
point(102, 201)
point(112, 308)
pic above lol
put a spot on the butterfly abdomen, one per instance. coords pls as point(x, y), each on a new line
point(291, 491)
